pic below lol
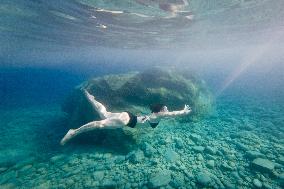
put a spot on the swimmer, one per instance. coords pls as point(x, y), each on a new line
point(118, 120)
point(160, 111)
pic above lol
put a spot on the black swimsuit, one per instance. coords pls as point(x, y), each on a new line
point(153, 125)
point(132, 120)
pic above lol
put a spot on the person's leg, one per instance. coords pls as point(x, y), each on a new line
point(87, 127)
point(106, 124)
point(99, 107)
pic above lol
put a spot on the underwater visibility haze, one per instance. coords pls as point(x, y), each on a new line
point(223, 58)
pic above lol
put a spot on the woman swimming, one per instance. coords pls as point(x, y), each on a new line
point(160, 111)
point(118, 120)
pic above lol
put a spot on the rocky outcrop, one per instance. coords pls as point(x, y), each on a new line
point(136, 91)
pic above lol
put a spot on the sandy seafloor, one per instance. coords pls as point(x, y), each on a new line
point(213, 152)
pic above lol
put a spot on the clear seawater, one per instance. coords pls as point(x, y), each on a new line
point(48, 48)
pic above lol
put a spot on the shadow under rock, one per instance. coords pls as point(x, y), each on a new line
point(106, 140)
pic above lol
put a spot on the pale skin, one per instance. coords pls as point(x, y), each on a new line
point(117, 120)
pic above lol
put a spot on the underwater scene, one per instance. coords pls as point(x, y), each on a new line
point(142, 94)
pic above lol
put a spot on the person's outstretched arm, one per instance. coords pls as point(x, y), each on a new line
point(142, 119)
point(185, 111)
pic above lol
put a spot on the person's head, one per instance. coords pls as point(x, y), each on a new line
point(155, 108)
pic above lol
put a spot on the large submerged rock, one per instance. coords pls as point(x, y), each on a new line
point(134, 92)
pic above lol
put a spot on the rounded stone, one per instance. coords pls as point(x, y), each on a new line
point(203, 178)
point(257, 183)
point(210, 164)
point(159, 179)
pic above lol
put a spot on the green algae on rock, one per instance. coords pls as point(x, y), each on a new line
point(136, 91)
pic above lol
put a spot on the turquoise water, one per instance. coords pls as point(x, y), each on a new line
point(215, 151)
point(236, 47)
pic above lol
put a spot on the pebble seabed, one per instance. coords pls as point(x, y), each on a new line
point(241, 146)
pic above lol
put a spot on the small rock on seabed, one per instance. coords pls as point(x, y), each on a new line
point(159, 179)
point(263, 165)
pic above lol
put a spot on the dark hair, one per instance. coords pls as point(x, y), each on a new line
point(155, 108)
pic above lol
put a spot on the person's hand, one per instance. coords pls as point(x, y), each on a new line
point(187, 109)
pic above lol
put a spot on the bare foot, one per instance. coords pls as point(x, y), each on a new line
point(67, 137)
